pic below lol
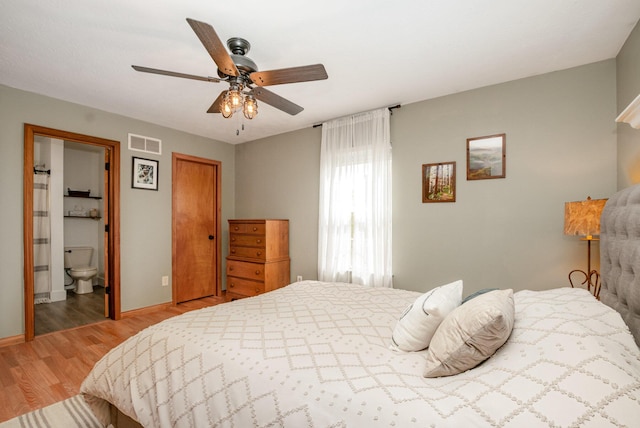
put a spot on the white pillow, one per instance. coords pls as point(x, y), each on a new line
point(420, 320)
point(471, 334)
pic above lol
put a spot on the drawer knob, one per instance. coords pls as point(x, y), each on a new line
point(257, 290)
point(230, 268)
point(232, 285)
point(233, 251)
point(236, 228)
point(259, 253)
point(257, 272)
point(259, 241)
point(255, 229)
point(233, 239)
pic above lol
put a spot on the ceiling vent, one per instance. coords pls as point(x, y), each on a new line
point(140, 143)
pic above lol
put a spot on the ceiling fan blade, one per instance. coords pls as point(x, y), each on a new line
point(215, 107)
point(304, 73)
point(214, 46)
point(174, 74)
point(276, 101)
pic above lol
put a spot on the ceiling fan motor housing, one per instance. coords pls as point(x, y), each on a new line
point(239, 48)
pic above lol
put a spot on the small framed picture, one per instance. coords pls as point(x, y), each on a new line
point(439, 182)
point(144, 174)
point(486, 157)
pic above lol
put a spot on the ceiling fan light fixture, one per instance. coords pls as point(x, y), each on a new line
point(225, 107)
point(250, 108)
point(234, 95)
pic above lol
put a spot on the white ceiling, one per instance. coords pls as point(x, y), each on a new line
point(376, 53)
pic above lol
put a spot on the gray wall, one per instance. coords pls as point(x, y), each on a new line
point(505, 233)
point(145, 215)
point(561, 146)
point(279, 177)
point(628, 84)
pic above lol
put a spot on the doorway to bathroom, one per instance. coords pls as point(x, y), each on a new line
point(78, 246)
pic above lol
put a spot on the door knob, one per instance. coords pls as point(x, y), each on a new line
point(211, 237)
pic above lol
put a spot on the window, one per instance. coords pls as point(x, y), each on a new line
point(354, 242)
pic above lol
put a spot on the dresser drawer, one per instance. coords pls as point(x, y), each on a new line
point(258, 259)
point(248, 270)
point(252, 228)
point(236, 239)
point(248, 252)
point(244, 287)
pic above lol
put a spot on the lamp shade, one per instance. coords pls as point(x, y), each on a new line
point(582, 218)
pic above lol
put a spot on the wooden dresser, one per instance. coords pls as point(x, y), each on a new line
point(258, 259)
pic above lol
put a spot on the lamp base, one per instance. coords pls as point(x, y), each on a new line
point(591, 280)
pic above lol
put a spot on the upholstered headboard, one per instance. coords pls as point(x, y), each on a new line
point(620, 256)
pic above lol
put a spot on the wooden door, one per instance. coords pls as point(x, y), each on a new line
point(105, 218)
point(196, 228)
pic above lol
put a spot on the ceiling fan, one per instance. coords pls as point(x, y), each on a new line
point(246, 83)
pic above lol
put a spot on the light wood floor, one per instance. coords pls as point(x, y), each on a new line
point(52, 366)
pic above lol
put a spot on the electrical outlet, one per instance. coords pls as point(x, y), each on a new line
point(165, 281)
point(299, 278)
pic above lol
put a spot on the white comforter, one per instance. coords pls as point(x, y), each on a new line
point(317, 355)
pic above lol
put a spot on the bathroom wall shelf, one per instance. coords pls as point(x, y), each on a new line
point(82, 216)
point(83, 197)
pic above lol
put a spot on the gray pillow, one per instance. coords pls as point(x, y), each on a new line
point(471, 333)
point(478, 293)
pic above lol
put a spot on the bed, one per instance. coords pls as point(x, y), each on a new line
point(320, 354)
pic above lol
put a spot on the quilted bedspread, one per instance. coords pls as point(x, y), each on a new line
point(317, 354)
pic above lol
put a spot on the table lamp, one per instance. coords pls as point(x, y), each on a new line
point(582, 218)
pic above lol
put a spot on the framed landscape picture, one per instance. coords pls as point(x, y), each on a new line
point(439, 182)
point(144, 174)
point(486, 157)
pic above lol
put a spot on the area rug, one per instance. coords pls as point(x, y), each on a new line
point(70, 413)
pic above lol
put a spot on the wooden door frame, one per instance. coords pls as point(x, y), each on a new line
point(113, 217)
point(175, 157)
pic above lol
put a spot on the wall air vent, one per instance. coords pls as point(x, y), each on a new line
point(140, 143)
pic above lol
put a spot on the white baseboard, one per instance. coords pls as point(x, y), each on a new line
point(58, 295)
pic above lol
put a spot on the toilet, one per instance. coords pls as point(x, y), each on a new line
point(77, 262)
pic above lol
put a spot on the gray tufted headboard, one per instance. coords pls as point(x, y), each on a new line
point(620, 256)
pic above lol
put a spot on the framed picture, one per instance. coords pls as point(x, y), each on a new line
point(144, 174)
point(486, 157)
point(439, 182)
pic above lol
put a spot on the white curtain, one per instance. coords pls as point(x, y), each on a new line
point(354, 242)
point(41, 239)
